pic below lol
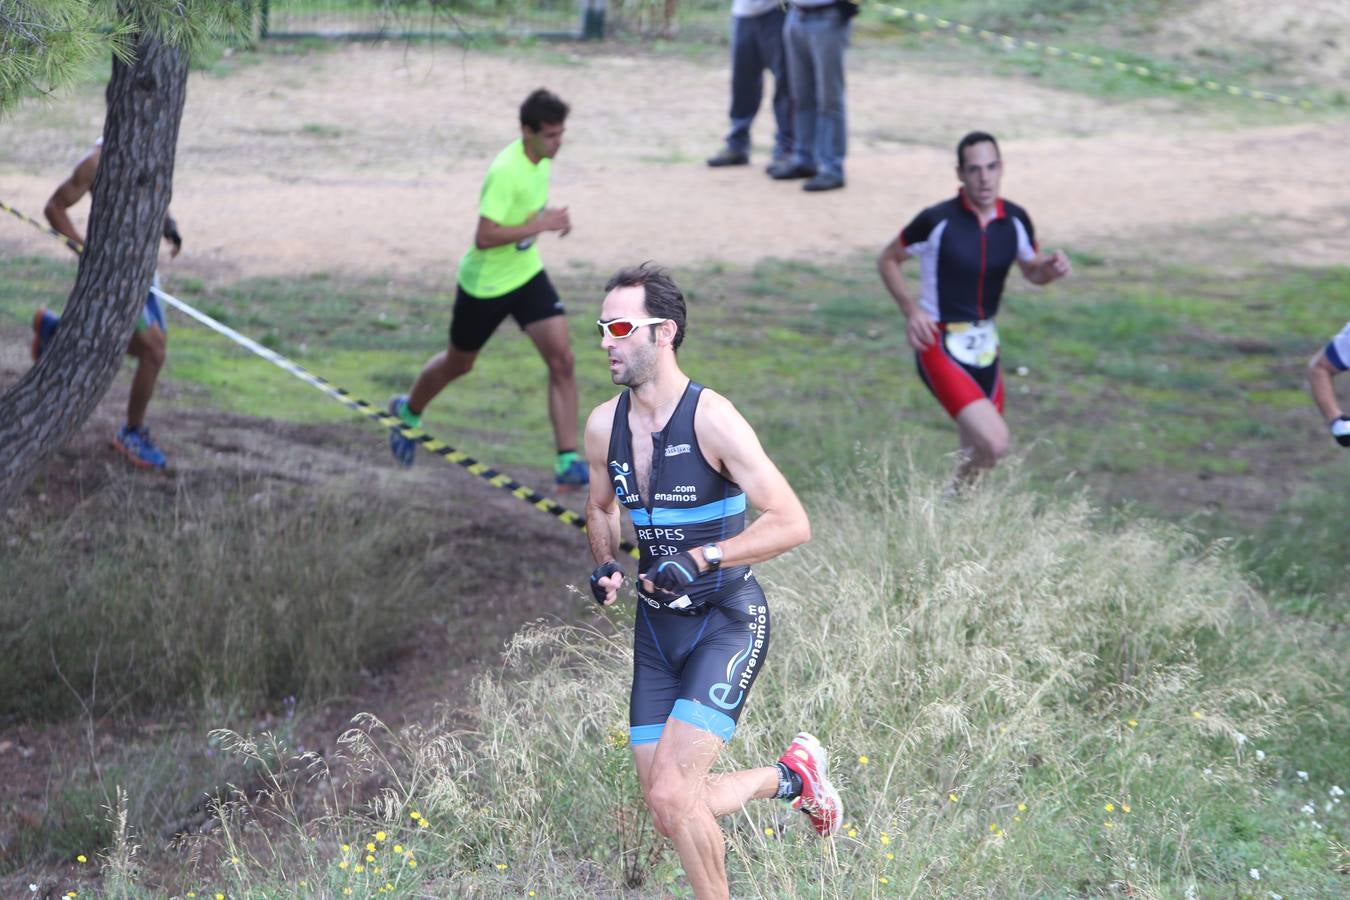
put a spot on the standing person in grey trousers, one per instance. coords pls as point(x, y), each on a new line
point(815, 34)
point(756, 45)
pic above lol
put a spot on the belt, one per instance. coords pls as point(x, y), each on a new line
point(811, 10)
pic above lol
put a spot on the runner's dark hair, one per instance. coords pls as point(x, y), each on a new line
point(543, 107)
point(662, 298)
point(970, 140)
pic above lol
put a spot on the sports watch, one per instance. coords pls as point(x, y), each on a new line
point(712, 555)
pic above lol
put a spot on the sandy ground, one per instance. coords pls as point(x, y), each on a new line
point(369, 159)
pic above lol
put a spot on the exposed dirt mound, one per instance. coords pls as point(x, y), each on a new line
point(1311, 37)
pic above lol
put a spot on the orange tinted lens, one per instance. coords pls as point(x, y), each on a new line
point(620, 328)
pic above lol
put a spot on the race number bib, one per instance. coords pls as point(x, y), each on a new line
point(973, 343)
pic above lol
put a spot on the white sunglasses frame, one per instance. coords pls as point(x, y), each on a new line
point(636, 323)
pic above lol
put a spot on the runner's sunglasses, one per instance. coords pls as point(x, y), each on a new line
point(622, 328)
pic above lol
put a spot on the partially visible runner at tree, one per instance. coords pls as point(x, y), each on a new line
point(684, 463)
point(1329, 362)
point(502, 274)
point(149, 342)
point(965, 247)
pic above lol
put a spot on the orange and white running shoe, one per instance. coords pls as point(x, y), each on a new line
point(819, 800)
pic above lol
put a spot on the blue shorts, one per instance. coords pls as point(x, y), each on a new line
point(152, 316)
point(698, 669)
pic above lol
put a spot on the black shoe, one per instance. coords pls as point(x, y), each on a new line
point(728, 157)
point(824, 182)
point(785, 171)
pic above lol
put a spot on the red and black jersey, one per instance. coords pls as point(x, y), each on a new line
point(962, 266)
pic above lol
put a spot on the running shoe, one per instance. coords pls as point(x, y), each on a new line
point(135, 445)
point(574, 477)
point(403, 448)
point(819, 800)
point(44, 326)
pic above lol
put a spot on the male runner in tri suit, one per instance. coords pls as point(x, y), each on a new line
point(1329, 362)
point(684, 463)
point(149, 342)
point(965, 246)
point(501, 275)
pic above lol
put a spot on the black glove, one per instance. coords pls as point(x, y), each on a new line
point(603, 571)
point(674, 573)
point(171, 233)
point(1340, 430)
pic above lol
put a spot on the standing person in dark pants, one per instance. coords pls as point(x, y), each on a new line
point(815, 34)
point(756, 45)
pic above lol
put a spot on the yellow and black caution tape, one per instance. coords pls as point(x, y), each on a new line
point(1008, 42)
point(347, 398)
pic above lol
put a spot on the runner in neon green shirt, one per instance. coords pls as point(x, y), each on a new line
point(503, 275)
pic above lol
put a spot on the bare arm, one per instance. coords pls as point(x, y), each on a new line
point(1320, 374)
point(492, 234)
point(602, 509)
point(730, 444)
point(920, 328)
point(1045, 269)
point(70, 192)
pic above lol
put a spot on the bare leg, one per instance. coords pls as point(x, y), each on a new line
point(439, 371)
point(555, 346)
point(685, 801)
point(150, 348)
point(984, 440)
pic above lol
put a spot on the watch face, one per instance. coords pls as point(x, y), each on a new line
point(712, 553)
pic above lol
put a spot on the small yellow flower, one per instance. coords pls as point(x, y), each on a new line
point(370, 847)
point(370, 857)
point(412, 863)
point(220, 895)
point(993, 828)
point(388, 887)
point(862, 760)
point(1109, 824)
point(359, 869)
point(398, 848)
point(1109, 807)
point(853, 832)
point(343, 864)
point(501, 867)
point(235, 860)
point(1124, 807)
point(890, 855)
point(82, 858)
point(952, 797)
point(768, 832)
point(1133, 723)
point(380, 836)
point(346, 890)
point(421, 823)
point(377, 870)
point(885, 838)
point(415, 815)
point(346, 848)
point(1197, 714)
point(884, 880)
point(531, 893)
point(1021, 807)
point(1017, 818)
point(190, 894)
point(303, 883)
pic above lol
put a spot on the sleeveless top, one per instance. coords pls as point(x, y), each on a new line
point(688, 502)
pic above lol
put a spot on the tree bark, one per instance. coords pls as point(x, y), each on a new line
point(130, 196)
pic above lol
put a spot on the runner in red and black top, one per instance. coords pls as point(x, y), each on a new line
point(965, 247)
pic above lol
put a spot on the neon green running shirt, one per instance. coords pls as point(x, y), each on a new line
point(513, 191)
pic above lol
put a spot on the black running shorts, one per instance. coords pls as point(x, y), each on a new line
point(475, 318)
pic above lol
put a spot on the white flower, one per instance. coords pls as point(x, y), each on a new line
point(1275, 896)
point(1255, 873)
point(32, 888)
point(1260, 755)
point(1240, 738)
point(1302, 775)
point(1208, 771)
point(1023, 371)
point(1336, 791)
point(1190, 892)
point(1307, 809)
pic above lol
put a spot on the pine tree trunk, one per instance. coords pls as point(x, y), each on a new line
point(130, 196)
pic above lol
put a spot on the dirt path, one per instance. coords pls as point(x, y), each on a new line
point(368, 160)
